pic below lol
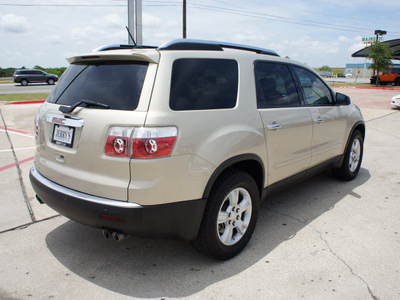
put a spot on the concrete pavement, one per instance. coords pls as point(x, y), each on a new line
point(321, 239)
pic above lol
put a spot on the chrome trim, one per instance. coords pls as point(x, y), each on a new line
point(84, 197)
point(67, 121)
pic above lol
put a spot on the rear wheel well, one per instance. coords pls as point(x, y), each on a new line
point(252, 166)
point(360, 128)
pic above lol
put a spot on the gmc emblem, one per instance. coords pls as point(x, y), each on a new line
point(58, 120)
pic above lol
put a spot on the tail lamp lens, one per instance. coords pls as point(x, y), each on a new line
point(37, 126)
point(118, 141)
point(154, 142)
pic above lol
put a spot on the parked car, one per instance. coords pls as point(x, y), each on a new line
point(33, 76)
point(390, 77)
point(185, 140)
point(396, 100)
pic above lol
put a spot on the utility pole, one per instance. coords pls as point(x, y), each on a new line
point(135, 21)
point(184, 19)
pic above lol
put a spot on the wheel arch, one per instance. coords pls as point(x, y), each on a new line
point(360, 126)
point(250, 163)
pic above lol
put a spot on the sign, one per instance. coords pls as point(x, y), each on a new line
point(371, 40)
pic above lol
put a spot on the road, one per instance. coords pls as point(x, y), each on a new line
point(322, 239)
point(31, 88)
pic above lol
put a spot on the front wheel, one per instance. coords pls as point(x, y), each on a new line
point(352, 158)
point(230, 216)
point(50, 81)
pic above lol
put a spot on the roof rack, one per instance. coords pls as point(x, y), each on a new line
point(123, 46)
point(189, 44)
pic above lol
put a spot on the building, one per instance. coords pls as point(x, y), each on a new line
point(361, 69)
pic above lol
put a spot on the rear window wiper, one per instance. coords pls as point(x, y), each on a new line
point(69, 109)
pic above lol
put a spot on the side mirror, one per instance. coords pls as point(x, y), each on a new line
point(342, 99)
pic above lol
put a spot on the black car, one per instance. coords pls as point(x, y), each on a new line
point(29, 76)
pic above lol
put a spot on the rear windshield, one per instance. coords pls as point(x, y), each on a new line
point(117, 85)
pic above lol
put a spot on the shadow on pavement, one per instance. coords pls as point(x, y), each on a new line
point(150, 268)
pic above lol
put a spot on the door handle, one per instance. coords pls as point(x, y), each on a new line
point(318, 120)
point(274, 126)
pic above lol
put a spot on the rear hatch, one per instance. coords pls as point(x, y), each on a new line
point(97, 96)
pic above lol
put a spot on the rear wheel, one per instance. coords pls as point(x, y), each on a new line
point(352, 158)
point(397, 81)
point(230, 216)
point(24, 82)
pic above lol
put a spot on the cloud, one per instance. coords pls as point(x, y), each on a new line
point(150, 20)
point(114, 21)
point(13, 23)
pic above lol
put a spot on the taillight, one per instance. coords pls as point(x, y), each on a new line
point(153, 142)
point(142, 142)
point(118, 141)
point(37, 126)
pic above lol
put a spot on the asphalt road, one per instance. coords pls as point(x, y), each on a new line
point(322, 239)
point(30, 88)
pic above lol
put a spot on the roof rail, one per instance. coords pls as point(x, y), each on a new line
point(122, 46)
point(189, 44)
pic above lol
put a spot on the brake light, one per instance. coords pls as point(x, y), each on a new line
point(142, 142)
point(37, 126)
point(118, 141)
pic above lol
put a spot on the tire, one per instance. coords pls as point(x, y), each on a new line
point(352, 158)
point(230, 216)
point(24, 82)
point(397, 81)
point(50, 81)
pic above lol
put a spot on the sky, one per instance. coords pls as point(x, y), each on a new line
point(315, 32)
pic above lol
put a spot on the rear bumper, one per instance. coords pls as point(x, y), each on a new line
point(179, 220)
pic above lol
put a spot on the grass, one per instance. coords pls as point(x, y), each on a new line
point(23, 97)
point(8, 81)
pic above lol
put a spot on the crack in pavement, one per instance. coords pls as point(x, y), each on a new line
point(373, 296)
point(21, 181)
point(24, 226)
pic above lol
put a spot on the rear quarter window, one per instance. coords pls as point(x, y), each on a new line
point(200, 84)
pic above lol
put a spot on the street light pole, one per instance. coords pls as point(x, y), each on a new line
point(379, 33)
point(135, 21)
point(184, 19)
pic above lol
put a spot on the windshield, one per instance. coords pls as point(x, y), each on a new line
point(117, 85)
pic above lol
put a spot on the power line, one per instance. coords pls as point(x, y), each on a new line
point(226, 10)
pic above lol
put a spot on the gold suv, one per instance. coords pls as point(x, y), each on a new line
point(185, 140)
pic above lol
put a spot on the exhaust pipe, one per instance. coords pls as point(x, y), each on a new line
point(119, 236)
point(107, 233)
point(115, 235)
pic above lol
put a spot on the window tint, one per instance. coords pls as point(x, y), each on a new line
point(315, 91)
point(118, 85)
point(275, 85)
point(198, 84)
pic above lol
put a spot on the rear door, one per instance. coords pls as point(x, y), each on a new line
point(287, 125)
point(72, 145)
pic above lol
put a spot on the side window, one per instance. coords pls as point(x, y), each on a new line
point(274, 85)
point(315, 91)
point(199, 84)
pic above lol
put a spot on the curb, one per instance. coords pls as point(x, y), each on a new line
point(26, 102)
point(364, 88)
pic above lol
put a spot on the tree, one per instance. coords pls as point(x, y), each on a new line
point(381, 55)
point(325, 68)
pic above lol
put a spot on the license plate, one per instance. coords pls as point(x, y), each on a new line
point(63, 135)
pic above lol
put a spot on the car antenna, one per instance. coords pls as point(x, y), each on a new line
point(131, 36)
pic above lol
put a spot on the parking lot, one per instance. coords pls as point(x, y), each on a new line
point(320, 239)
